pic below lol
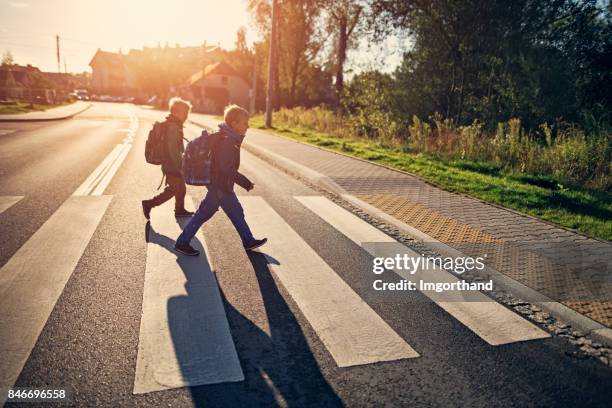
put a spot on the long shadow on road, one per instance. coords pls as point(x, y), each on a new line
point(279, 368)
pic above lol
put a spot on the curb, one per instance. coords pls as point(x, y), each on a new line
point(16, 119)
point(596, 330)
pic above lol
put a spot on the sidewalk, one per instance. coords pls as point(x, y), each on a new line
point(557, 264)
point(62, 112)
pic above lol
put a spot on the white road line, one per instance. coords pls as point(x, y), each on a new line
point(108, 176)
point(7, 202)
point(494, 323)
point(94, 178)
point(101, 177)
point(352, 332)
point(34, 278)
point(185, 338)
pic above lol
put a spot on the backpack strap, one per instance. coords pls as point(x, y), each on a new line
point(162, 181)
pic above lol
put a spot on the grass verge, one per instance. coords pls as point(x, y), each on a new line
point(584, 210)
point(8, 108)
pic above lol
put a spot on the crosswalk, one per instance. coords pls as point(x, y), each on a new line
point(34, 278)
point(185, 338)
point(494, 323)
point(352, 332)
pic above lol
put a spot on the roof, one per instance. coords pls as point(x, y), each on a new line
point(19, 75)
point(110, 58)
point(218, 68)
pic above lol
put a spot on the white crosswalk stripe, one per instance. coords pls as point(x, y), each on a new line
point(34, 278)
point(185, 338)
point(352, 332)
point(7, 202)
point(488, 319)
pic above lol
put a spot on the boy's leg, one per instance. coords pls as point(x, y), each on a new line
point(232, 207)
point(180, 190)
point(208, 207)
point(162, 197)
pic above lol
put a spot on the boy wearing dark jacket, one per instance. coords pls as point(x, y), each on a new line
point(173, 138)
point(225, 164)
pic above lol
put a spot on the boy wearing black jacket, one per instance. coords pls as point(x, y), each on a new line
point(225, 164)
point(173, 138)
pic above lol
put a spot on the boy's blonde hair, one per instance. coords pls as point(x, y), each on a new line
point(178, 102)
point(234, 112)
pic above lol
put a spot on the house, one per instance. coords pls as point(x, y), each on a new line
point(25, 83)
point(110, 74)
point(150, 71)
point(215, 87)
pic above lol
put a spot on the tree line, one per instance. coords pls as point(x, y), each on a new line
point(543, 61)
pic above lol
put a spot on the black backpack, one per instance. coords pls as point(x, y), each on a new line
point(155, 148)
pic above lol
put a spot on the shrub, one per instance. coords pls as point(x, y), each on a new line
point(568, 157)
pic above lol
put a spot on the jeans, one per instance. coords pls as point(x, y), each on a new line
point(214, 199)
point(175, 187)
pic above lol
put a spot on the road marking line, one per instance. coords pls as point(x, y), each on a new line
point(491, 321)
point(7, 202)
point(185, 339)
point(33, 279)
point(94, 178)
point(112, 170)
point(352, 332)
point(101, 177)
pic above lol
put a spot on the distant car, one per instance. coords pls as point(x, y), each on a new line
point(80, 94)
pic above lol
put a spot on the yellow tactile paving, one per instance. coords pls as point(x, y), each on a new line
point(551, 278)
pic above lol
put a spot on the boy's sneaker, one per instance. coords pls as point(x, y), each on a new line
point(256, 243)
point(146, 209)
point(183, 213)
point(186, 249)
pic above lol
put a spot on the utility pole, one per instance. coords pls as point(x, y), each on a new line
point(271, 64)
point(65, 66)
point(254, 85)
point(57, 49)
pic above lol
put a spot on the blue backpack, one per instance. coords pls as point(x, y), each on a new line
point(197, 160)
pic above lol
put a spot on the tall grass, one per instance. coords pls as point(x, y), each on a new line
point(565, 156)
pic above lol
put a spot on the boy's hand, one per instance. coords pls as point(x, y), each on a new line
point(250, 186)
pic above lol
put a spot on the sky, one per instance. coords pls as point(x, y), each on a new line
point(28, 29)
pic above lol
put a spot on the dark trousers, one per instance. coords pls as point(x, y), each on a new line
point(214, 199)
point(175, 187)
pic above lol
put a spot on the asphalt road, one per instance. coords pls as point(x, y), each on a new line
point(90, 340)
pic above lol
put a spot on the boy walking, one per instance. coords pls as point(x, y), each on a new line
point(225, 164)
point(171, 167)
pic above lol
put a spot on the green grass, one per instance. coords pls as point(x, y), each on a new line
point(585, 210)
point(8, 108)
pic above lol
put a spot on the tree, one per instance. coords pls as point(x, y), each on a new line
point(344, 16)
point(7, 58)
point(300, 40)
point(496, 59)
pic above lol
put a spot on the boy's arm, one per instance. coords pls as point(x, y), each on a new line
point(243, 181)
